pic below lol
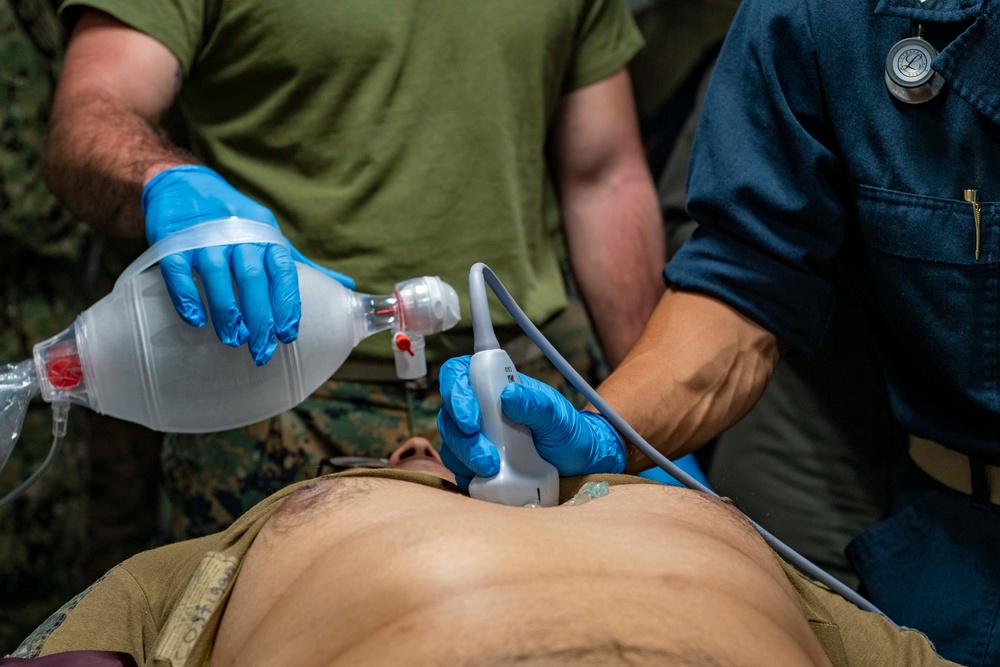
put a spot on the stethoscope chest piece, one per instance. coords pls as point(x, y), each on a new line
point(908, 73)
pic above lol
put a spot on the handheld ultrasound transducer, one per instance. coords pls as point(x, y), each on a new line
point(524, 477)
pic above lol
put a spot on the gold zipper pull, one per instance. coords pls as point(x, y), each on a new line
point(972, 196)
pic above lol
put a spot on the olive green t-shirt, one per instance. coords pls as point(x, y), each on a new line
point(393, 138)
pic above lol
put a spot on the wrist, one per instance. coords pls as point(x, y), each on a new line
point(613, 454)
point(174, 196)
point(163, 178)
point(152, 171)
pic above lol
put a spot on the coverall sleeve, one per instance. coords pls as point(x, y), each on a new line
point(765, 182)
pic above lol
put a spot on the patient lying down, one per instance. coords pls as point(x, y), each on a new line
point(395, 567)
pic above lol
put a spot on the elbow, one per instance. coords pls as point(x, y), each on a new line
point(608, 173)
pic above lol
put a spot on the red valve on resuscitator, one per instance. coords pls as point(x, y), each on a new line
point(65, 372)
point(403, 343)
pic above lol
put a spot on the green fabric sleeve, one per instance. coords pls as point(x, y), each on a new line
point(177, 24)
point(607, 38)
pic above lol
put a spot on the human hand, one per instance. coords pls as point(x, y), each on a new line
point(576, 442)
point(267, 281)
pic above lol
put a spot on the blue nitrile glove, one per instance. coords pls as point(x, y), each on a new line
point(266, 279)
point(576, 442)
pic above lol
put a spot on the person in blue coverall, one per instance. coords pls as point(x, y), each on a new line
point(804, 165)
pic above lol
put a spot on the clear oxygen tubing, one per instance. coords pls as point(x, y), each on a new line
point(60, 410)
point(485, 339)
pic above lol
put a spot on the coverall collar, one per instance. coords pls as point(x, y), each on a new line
point(967, 64)
point(933, 11)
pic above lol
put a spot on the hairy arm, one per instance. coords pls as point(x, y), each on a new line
point(697, 369)
point(105, 141)
point(610, 213)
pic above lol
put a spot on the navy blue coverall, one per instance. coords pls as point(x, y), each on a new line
point(803, 165)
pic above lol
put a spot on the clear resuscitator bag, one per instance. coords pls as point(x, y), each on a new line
point(131, 356)
point(18, 385)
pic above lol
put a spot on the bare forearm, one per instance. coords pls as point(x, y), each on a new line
point(617, 253)
point(697, 369)
point(99, 155)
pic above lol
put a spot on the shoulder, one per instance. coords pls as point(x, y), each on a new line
point(818, 20)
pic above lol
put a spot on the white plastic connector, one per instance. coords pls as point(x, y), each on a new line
point(60, 415)
point(427, 304)
point(409, 355)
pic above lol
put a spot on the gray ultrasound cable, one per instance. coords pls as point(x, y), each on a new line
point(481, 322)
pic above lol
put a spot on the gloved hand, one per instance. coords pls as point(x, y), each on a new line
point(268, 284)
point(576, 442)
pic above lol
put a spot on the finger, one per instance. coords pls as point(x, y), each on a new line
point(177, 276)
point(452, 463)
point(475, 453)
point(539, 407)
point(255, 301)
point(212, 265)
point(286, 302)
point(457, 395)
point(346, 281)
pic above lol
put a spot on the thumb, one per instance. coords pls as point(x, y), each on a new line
point(539, 407)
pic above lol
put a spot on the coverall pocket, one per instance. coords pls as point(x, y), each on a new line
point(922, 228)
point(927, 281)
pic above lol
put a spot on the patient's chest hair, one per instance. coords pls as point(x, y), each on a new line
point(731, 514)
point(344, 493)
point(318, 496)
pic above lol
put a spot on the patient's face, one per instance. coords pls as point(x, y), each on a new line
point(417, 454)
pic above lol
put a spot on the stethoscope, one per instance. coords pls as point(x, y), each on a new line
point(908, 73)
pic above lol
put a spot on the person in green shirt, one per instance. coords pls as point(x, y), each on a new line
point(386, 139)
